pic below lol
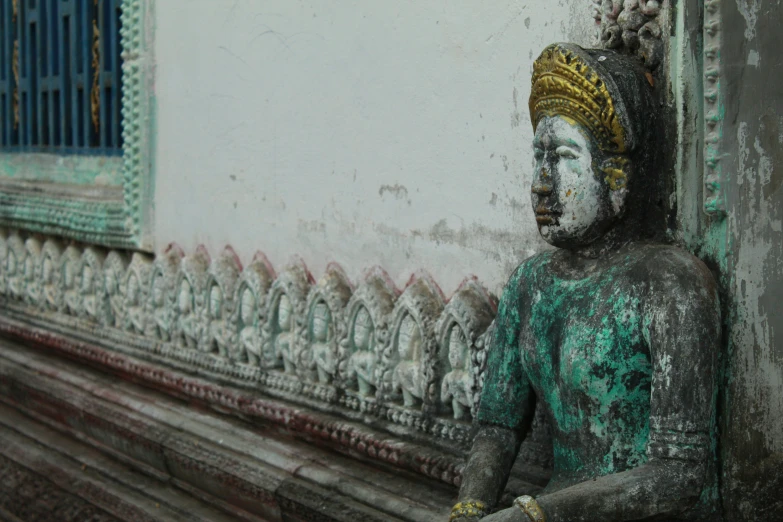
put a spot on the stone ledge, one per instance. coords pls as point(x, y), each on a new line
point(221, 460)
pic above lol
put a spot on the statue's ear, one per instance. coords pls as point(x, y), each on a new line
point(617, 170)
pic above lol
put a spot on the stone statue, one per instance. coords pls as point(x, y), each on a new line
point(49, 283)
point(71, 298)
point(134, 306)
point(89, 299)
point(456, 387)
point(322, 349)
point(407, 376)
point(187, 320)
point(615, 335)
point(161, 311)
point(361, 364)
point(249, 335)
point(284, 334)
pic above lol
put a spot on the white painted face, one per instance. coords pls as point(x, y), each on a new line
point(571, 202)
point(284, 313)
point(458, 348)
point(362, 329)
point(247, 306)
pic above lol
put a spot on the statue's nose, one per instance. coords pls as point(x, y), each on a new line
point(542, 189)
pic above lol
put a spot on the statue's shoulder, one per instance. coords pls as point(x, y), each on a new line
point(530, 269)
point(671, 267)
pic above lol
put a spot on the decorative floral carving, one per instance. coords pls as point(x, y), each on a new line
point(324, 325)
point(251, 306)
point(631, 25)
point(285, 316)
point(219, 335)
point(411, 364)
point(464, 319)
point(367, 316)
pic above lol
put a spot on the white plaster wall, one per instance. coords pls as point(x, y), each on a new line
point(364, 132)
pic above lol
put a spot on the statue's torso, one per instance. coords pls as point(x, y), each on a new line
point(582, 336)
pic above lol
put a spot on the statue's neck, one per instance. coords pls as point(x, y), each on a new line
point(612, 241)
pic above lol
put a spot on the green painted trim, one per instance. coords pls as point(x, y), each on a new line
point(95, 199)
point(81, 170)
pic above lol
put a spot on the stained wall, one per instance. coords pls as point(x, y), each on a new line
point(391, 133)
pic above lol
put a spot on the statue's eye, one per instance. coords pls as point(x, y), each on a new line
point(566, 153)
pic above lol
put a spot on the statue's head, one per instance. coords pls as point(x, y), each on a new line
point(458, 348)
point(247, 306)
point(29, 267)
point(158, 292)
point(321, 319)
point(11, 263)
point(587, 108)
point(409, 339)
point(362, 329)
point(284, 313)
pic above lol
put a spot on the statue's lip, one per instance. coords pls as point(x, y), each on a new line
point(543, 211)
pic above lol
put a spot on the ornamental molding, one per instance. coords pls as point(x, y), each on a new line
point(633, 27)
point(118, 214)
point(363, 351)
point(714, 197)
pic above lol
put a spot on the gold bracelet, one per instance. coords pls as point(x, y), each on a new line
point(468, 508)
point(530, 507)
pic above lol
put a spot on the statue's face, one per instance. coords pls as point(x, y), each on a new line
point(284, 313)
point(321, 319)
point(409, 338)
point(215, 301)
point(362, 329)
point(571, 201)
point(247, 305)
point(458, 348)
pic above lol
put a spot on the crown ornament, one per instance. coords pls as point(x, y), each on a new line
point(567, 83)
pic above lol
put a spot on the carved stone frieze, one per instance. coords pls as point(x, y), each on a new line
point(49, 277)
point(221, 286)
point(632, 26)
point(250, 310)
point(367, 318)
point(160, 306)
point(330, 346)
point(285, 317)
point(323, 328)
point(191, 288)
point(465, 318)
point(136, 293)
point(412, 362)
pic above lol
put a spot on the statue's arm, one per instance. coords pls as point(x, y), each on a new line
point(505, 410)
point(683, 332)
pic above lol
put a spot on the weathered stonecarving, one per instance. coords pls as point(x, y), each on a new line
point(633, 26)
point(411, 358)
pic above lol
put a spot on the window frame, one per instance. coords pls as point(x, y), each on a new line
point(99, 199)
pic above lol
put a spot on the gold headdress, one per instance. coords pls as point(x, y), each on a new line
point(565, 83)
